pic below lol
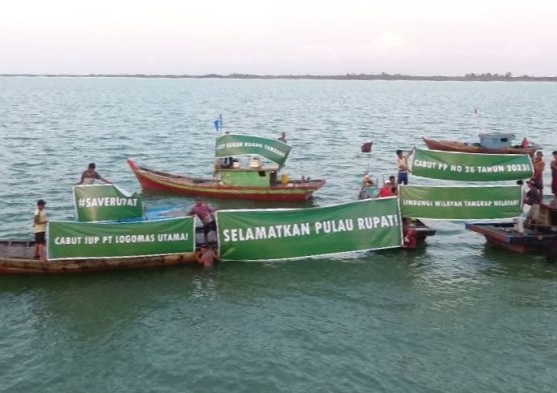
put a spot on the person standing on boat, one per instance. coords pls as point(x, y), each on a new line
point(539, 166)
point(39, 229)
point(205, 213)
point(533, 198)
point(90, 175)
point(525, 143)
point(554, 176)
point(402, 164)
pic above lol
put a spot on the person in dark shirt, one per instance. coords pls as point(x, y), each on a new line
point(90, 175)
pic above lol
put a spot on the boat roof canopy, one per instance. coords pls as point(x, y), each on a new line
point(238, 145)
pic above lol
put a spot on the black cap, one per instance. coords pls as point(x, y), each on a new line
point(41, 202)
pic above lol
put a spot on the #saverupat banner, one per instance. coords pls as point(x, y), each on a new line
point(106, 202)
point(471, 166)
point(237, 145)
point(460, 203)
point(251, 235)
point(78, 240)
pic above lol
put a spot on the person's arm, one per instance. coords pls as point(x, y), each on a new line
point(81, 181)
point(37, 220)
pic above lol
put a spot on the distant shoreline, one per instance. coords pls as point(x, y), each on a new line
point(383, 76)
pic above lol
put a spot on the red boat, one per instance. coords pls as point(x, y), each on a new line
point(231, 180)
point(490, 143)
point(259, 183)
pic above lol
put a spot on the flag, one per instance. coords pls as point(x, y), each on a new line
point(366, 147)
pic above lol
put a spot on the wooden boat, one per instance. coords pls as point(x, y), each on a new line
point(535, 238)
point(490, 143)
point(16, 257)
point(258, 183)
point(231, 180)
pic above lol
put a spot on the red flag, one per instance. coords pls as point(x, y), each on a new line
point(366, 147)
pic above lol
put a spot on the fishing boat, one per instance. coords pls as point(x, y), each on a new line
point(16, 257)
point(490, 143)
point(521, 237)
point(232, 180)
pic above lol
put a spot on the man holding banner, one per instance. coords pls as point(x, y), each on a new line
point(402, 164)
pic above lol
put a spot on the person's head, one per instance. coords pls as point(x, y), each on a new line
point(399, 153)
point(198, 200)
point(387, 184)
point(41, 204)
point(392, 179)
point(92, 165)
point(539, 154)
point(554, 154)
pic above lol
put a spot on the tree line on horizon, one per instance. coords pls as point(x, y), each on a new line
point(348, 76)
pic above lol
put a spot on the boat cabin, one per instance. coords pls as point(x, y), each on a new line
point(496, 140)
point(263, 176)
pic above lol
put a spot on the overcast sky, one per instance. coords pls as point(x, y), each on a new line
point(421, 37)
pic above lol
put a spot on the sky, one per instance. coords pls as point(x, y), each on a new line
point(279, 37)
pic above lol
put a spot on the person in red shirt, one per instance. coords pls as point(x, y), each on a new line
point(386, 191)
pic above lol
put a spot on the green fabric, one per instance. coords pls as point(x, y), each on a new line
point(471, 166)
point(77, 240)
point(293, 233)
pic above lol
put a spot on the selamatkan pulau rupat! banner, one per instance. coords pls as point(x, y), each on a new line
point(460, 203)
point(471, 166)
point(237, 145)
point(251, 235)
point(81, 240)
point(106, 202)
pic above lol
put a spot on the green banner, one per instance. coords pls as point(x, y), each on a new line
point(106, 202)
point(250, 235)
point(237, 145)
point(77, 240)
point(471, 166)
point(460, 203)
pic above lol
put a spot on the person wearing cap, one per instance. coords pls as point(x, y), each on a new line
point(539, 166)
point(386, 190)
point(205, 214)
point(90, 175)
point(553, 167)
point(39, 229)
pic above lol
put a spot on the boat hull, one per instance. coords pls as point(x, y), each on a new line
point(473, 148)
point(16, 258)
point(293, 191)
point(504, 235)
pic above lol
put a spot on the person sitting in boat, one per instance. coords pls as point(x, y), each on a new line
point(205, 213)
point(533, 198)
point(227, 162)
point(386, 190)
point(525, 143)
point(206, 256)
point(90, 175)
point(366, 181)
